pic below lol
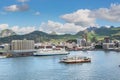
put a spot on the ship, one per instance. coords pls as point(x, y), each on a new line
point(75, 59)
point(50, 50)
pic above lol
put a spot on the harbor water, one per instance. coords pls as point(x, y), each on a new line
point(104, 66)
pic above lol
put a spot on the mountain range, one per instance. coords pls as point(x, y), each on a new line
point(38, 36)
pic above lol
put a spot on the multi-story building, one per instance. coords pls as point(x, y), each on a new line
point(107, 40)
point(22, 45)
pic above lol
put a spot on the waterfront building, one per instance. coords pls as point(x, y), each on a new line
point(108, 45)
point(5, 47)
point(69, 45)
point(79, 42)
point(107, 40)
point(119, 46)
point(83, 42)
point(4, 50)
point(22, 45)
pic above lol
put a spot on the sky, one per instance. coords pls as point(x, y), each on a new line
point(60, 16)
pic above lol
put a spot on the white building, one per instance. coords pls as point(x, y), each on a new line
point(79, 42)
point(108, 45)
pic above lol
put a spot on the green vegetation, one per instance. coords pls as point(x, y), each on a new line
point(92, 35)
point(100, 33)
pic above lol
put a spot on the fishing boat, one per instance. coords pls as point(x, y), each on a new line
point(75, 59)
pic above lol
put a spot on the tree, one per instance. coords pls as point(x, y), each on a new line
point(94, 39)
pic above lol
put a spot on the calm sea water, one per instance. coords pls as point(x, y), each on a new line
point(104, 66)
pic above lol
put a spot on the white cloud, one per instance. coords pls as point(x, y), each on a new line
point(15, 8)
point(80, 17)
point(3, 26)
point(37, 13)
point(23, 30)
point(12, 8)
point(75, 22)
point(60, 28)
point(110, 14)
point(22, 0)
point(86, 17)
point(18, 29)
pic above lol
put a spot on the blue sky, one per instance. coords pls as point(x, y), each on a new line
point(61, 16)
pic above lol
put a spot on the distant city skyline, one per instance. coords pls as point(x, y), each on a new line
point(63, 16)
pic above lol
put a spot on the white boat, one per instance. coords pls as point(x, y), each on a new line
point(3, 57)
point(50, 51)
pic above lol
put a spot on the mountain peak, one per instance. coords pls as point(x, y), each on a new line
point(6, 33)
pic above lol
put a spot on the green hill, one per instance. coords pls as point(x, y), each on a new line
point(92, 35)
point(37, 36)
point(100, 33)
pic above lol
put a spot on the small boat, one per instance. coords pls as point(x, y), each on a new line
point(3, 57)
point(75, 59)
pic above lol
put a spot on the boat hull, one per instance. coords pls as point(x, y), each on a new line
point(50, 53)
point(3, 57)
point(76, 61)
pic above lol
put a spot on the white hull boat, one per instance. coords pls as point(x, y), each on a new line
point(46, 52)
point(3, 57)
